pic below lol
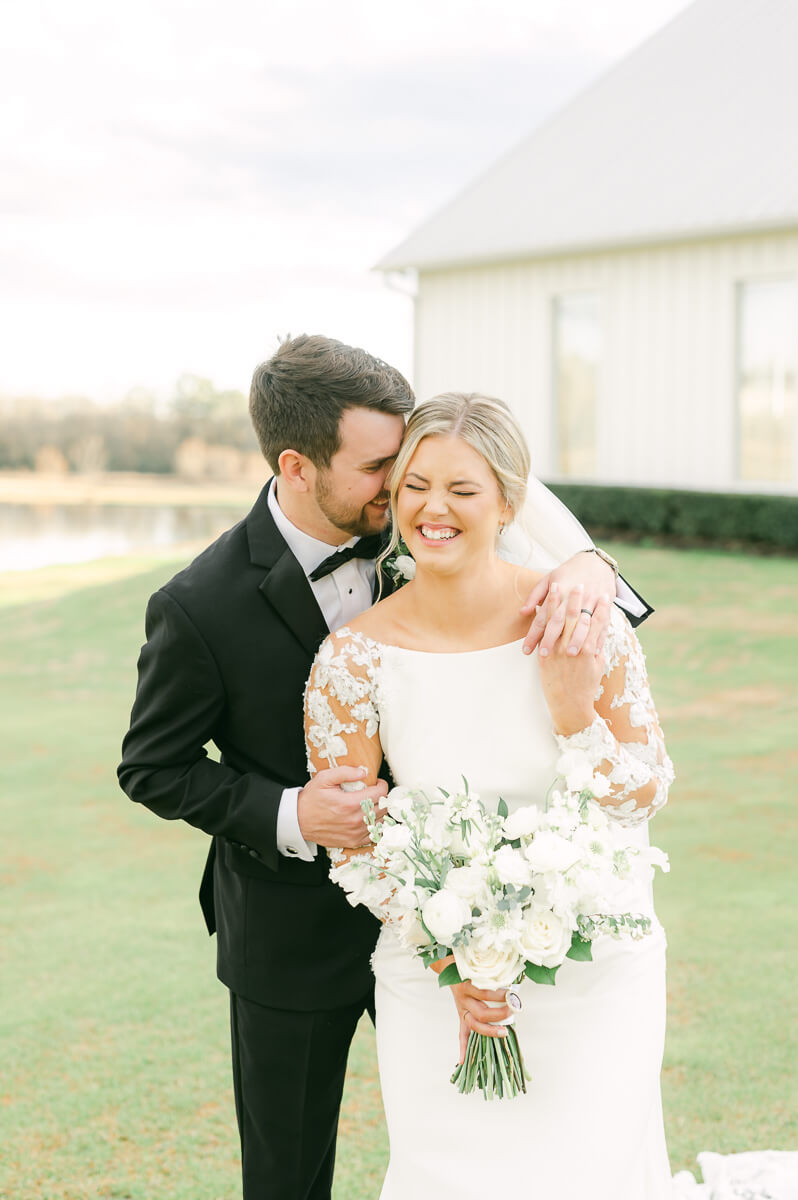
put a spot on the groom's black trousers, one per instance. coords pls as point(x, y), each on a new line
point(288, 1077)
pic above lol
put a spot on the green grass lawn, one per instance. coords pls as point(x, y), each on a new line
point(113, 1029)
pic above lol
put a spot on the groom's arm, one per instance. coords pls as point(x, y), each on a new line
point(179, 703)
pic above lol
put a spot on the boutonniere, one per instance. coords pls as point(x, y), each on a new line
point(399, 566)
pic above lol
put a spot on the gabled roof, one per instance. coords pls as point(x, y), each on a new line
point(695, 132)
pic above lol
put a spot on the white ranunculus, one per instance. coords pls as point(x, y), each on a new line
point(488, 965)
point(545, 939)
point(522, 822)
point(512, 867)
point(394, 837)
point(466, 882)
point(549, 852)
point(445, 914)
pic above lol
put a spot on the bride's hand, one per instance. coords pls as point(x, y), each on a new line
point(595, 577)
point(570, 682)
point(475, 1014)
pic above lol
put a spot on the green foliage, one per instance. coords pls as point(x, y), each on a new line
point(449, 976)
point(670, 513)
point(546, 975)
point(581, 950)
point(138, 434)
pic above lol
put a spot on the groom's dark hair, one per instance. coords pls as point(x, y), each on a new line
point(299, 395)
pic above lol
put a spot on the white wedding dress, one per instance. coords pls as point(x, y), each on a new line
point(590, 1125)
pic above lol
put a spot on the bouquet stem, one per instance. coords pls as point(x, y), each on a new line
point(492, 1065)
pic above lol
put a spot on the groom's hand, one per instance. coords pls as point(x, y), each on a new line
point(330, 816)
point(551, 597)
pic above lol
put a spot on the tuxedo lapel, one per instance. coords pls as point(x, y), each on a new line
point(285, 587)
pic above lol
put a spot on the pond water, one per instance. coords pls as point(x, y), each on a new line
point(45, 535)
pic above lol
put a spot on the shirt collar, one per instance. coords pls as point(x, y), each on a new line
point(307, 550)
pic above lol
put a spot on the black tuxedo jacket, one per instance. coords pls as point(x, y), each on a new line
point(230, 643)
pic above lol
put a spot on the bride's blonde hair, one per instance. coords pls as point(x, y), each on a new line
point(485, 424)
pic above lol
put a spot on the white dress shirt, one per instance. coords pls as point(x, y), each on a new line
point(342, 595)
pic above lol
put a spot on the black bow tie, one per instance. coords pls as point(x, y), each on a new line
point(367, 547)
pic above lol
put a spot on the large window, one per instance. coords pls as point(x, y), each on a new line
point(767, 379)
point(577, 353)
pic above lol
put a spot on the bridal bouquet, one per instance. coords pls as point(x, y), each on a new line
point(509, 895)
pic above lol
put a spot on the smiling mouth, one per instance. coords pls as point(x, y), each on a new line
point(441, 533)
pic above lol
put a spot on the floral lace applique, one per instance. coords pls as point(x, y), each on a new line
point(344, 672)
point(634, 765)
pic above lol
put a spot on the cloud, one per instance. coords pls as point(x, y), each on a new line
point(253, 158)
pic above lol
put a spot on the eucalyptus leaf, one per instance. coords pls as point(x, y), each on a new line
point(502, 809)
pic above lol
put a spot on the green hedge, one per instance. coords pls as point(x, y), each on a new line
point(720, 518)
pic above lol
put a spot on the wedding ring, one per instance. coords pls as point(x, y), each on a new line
point(513, 1000)
point(586, 610)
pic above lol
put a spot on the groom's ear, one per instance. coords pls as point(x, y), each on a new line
point(297, 470)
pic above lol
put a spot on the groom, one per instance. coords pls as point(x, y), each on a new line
point(230, 641)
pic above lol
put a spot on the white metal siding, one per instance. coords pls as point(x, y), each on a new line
point(667, 392)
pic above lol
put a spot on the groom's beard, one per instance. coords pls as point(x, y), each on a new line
point(357, 522)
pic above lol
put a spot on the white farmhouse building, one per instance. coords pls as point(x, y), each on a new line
point(627, 277)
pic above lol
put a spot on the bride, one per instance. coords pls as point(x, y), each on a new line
point(434, 680)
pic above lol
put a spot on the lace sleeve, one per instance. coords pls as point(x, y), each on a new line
point(341, 717)
point(625, 741)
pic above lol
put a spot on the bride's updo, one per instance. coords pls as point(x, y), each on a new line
point(486, 425)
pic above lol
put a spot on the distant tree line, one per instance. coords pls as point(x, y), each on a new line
point(198, 432)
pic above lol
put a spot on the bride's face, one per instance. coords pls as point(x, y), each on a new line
point(448, 504)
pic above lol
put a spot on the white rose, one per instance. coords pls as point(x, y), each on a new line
point(545, 939)
point(405, 565)
point(511, 866)
point(466, 882)
point(488, 965)
point(522, 822)
point(445, 914)
point(394, 837)
point(549, 852)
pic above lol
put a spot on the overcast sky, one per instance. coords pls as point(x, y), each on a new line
point(180, 183)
